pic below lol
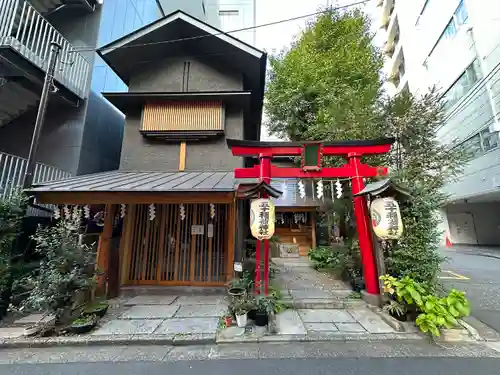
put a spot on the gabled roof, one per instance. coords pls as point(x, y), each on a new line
point(179, 34)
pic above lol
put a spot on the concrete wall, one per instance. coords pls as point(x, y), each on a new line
point(474, 223)
point(139, 153)
point(70, 139)
point(167, 76)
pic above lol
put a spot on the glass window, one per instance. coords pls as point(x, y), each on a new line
point(473, 146)
point(461, 13)
point(463, 84)
point(489, 139)
point(450, 30)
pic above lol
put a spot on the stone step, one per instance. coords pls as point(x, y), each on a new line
point(322, 303)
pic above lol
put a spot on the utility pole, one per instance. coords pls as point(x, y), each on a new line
point(55, 49)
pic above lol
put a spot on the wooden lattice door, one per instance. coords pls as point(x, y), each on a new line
point(170, 250)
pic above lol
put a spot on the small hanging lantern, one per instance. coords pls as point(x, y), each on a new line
point(386, 218)
point(123, 210)
point(86, 211)
point(182, 211)
point(212, 211)
point(152, 211)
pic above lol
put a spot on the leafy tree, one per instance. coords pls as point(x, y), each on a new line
point(327, 86)
point(68, 267)
point(11, 213)
point(423, 165)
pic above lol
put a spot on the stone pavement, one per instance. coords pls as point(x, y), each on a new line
point(321, 310)
point(144, 319)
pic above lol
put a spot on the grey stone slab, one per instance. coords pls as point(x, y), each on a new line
point(288, 322)
point(371, 321)
point(144, 353)
point(310, 293)
point(231, 332)
point(150, 300)
point(34, 319)
point(188, 325)
point(200, 311)
point(350, 327)
point(128, 327)
point(188, 353)
point(201, 300)
point(321, 327)
point(325, 316)
point(150, 312)
point(11, 332)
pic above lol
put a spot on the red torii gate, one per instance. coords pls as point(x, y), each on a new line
point(311, 154)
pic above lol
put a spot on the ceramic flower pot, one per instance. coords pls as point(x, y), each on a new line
point(241, 320)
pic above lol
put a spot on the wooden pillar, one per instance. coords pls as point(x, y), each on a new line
point(313, 229)
point(103, 249)
point(231, 229)
point(126, 243)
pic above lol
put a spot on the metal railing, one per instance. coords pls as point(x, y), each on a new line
point(12, 169)
point(30, 34)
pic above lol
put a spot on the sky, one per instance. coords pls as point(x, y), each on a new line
point(276, 37)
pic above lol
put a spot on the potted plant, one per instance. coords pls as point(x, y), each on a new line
point(265, 306)
point(237, 287)
point(228, 320)
point(83, 324)
point(97, 308)
point(240, 308)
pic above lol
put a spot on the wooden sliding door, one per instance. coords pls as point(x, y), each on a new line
point(169, 250)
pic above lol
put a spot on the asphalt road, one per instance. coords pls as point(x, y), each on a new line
point(330, 366)
point(477, 272)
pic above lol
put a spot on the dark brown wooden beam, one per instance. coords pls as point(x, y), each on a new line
point(107, 197)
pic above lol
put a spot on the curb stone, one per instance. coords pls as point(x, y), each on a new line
point(387, 318)
point(79, 341)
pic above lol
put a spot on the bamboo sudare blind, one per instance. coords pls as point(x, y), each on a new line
point(183, 116)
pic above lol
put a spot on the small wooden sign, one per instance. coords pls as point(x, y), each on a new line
point(210, 231)
point(197, 230)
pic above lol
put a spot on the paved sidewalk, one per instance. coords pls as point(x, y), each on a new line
point(320, 311)
point(144, 319)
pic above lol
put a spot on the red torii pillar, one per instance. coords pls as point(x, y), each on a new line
point(352, 151)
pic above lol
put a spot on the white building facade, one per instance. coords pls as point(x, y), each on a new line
point(454, 44)
point(228, 15)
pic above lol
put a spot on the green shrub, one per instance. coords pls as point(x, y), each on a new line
point(435, 312)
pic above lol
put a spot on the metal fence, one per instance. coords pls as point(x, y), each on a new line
point(12, 169)
point(30, 34)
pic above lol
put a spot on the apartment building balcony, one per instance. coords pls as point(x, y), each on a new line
point(391, 67)
point(25, 36)
point(12, 169)
point(392, 35)
point(386, 10)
